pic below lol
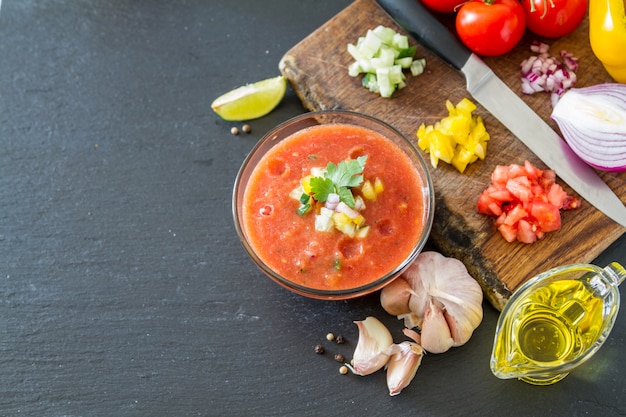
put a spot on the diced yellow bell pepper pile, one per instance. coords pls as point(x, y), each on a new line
point(458, 139)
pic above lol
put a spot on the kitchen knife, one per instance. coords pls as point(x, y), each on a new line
point(495, 96)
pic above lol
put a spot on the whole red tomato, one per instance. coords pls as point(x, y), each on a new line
point(491, 27)
point(554, 18)
point(443, 6)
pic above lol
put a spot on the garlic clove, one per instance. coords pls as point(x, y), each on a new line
point(462, 321)
point(402, 366)
point(394, 297)
point(462, 304)
point(370, 353)
point(435, 333)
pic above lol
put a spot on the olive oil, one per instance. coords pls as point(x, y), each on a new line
point(556, 321)
point(545, 338)
point(552, 326)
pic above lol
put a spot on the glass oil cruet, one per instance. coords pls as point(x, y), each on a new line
point(555, 322)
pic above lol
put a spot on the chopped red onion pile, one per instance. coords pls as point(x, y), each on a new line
point(545, 73)
point(593, 122)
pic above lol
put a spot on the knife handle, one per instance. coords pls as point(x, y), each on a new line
point(413, 17)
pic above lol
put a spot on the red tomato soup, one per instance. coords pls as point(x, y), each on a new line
point(288, 242)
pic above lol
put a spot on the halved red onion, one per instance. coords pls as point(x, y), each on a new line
point(593, 122)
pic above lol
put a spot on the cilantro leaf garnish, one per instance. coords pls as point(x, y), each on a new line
point(339, 179)
point(321, 187)
point(345, 195)
point(346, 174)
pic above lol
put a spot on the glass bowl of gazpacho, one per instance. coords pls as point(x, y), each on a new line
point(333, 204)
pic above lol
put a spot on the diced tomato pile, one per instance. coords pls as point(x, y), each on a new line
point(526, 202)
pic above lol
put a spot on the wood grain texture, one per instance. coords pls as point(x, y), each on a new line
point(317, 71)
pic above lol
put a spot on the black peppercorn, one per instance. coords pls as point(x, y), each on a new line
point(340, 339)
point(319, 349)
point(340, 358)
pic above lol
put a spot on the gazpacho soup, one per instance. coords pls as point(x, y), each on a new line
point(333, 207)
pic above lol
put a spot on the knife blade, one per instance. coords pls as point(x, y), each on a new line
point(506, 106)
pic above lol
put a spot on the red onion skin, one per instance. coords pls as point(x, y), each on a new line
point(607, 169)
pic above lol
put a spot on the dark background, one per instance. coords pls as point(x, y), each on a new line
point(123, 288)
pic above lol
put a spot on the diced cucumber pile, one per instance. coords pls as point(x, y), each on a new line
point(382, 55)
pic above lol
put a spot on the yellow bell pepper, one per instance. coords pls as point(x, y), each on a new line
point(607, 35)
point(458, 139)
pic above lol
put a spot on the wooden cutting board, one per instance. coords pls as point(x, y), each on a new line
point(317, 69)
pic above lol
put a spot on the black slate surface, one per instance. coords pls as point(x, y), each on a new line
point(123, 288)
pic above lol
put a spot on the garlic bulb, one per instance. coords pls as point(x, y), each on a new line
point(371, 352)
point(405, 358)
point(445, 303)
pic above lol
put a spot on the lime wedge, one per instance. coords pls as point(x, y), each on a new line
point(251, 101)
